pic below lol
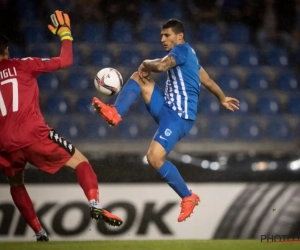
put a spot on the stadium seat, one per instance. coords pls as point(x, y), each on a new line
point(35, 34)
point(102, 58)
point(69, 129)
point(268, 105)
point(219, 58)
point(139, 107)
point(238, 33)
point(288, 81)
point(208, 105)
point(130, 58)
point(248, 57)
point(296, 57)
point(78, 59)
point(27, 11)
point(48, 82)
point(249, 130)
point(80, 80)
point(293, 105)
point(146, 10)
point(157, 53)
point(277, 57)
point(84, 105)
point(228, 81)
point(170, 9)
point(209, 34)
point(258, 81)
point(150, 130)
point(279, 130)
point(40, 51)
point(98, 130)
point(129, 129)
point(16, 51)
point(58, 4)
point(58, 105)
point(150, 34)
point(94, 33)
point(189, 34)
point(195, 133)
point(122, 32)
point(219, 130)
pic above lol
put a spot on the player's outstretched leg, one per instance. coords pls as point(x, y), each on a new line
point(88, 182)
point(126, 97)
point(24, 204)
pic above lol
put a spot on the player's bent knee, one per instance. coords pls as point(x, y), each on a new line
point(76, 159)
point(155, 161)
point(135, 76)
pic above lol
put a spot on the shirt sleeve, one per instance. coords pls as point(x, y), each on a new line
point(35, 65)
point(179, 53)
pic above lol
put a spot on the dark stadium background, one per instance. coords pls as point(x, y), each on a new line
point(251, 48)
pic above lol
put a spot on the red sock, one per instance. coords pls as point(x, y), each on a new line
point(25, 206)
point(88, 181)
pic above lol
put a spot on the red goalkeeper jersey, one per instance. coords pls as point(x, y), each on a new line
point(21, 121)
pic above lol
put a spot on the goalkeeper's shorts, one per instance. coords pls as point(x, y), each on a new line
point(48, 155)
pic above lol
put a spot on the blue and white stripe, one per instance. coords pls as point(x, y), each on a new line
point(175, 92)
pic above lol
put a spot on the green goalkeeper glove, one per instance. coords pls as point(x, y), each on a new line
point(61, 25)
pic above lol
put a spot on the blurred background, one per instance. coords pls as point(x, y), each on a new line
point(246, 164)
point(251, 48)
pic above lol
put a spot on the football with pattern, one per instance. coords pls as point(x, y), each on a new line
point(108, 81)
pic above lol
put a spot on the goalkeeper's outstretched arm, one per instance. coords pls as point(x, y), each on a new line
point(62, 28)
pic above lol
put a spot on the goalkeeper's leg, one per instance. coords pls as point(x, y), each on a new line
point(88, 182)
point(24, 204)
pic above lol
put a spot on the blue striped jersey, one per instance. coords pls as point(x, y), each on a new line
point(183, 82)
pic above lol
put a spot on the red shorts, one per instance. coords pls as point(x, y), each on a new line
point(49, 155)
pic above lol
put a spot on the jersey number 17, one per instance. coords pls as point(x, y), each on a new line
point(15, 96)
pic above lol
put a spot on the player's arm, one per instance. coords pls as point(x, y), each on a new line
point(61, 28)
point(176, 56)
point(228, 102)
point(160, 65)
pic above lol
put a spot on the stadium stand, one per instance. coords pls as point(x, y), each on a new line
point(265, 80)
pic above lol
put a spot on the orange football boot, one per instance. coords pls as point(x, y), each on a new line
point(109, 113)
point(187, 206)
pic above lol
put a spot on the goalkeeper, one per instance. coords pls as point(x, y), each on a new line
point(25, 137)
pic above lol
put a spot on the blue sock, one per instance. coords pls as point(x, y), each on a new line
point(170, 173)
point(127, 96)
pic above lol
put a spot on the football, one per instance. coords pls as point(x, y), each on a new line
point(108, 81)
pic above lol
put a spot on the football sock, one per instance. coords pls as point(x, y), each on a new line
point(24, 204)
point(88, 181)
point(170, 173)
point(127, 96)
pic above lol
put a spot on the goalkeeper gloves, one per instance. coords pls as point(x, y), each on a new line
point(61, 25)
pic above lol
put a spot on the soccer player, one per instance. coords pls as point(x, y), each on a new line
point(25, 137)
point(174, 111)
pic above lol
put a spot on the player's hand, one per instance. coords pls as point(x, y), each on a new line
point(231, 103)
point(143, 71)
point(61, 25)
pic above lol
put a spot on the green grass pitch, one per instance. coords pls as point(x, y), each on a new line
point(151, 245)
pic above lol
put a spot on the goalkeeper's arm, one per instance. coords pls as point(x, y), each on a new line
point(61, 26)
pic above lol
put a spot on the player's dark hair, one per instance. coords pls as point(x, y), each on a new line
point(3, 44)
point(175, 25)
